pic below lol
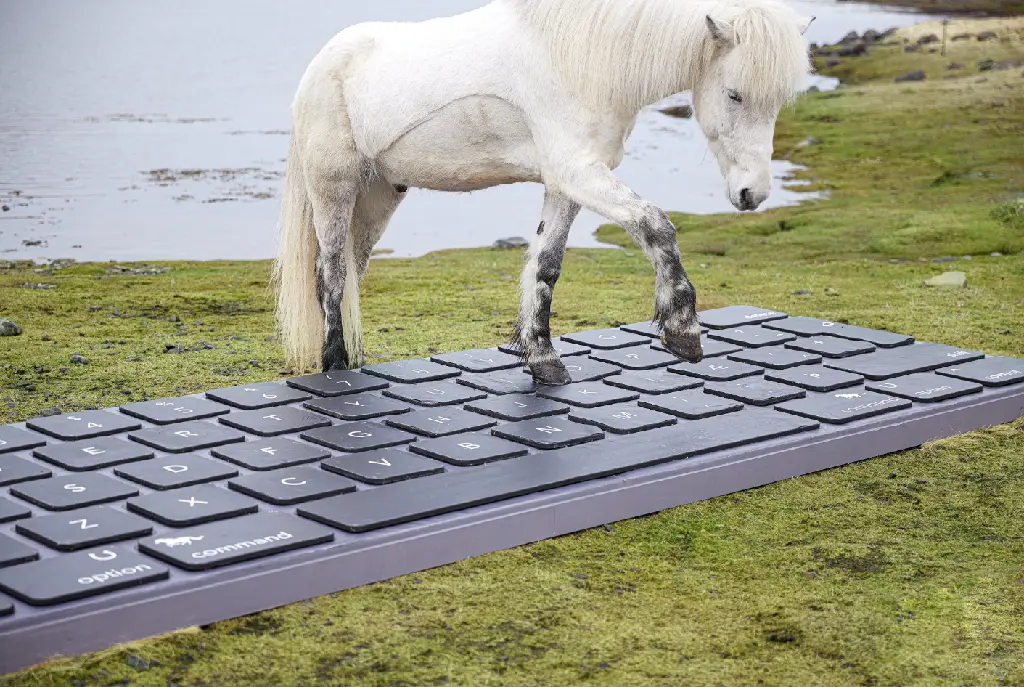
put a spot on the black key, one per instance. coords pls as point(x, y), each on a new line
point(589, 370)
point(93, 454)
point(14, 469)
point(754, 391)
point(517, 407)
point(692, 405)
point(831, 346)
point(73, 491)
point(717, 370)
point(548, 432)
point(606, 339)
point(752, 336)
point(192, 505)
point(382, 467)
point(814, 378)
point(636, 357)
point(399, 503)
point(993, 371)
point(187, 436)
point(564, 349)
point(16, 439)
point(358, 436)
point(78, 575)
point(337, 383)
point(441, 422)
point(469, 449)
point(896, 362)
point(806, 326)
point(174, 472)
point(271, 454)
point(776, 357)
point(478, 360)
point(256, 396)
point(650, 329)
point(588, 394)
point(243, 539)
point(14, 552)
point(653, 382)
point(84, 425)
point(165, 411)
point(737, 316)
point(504, 382)
point(357, 406)
point(841, 407)
point(9, 510)
point(925, 386)
point(292, 485)
point(271, 422)
point(84, 528)
point(711, 348)
point(622, 418)
point(434, 394)
point(411, 371)
point(6, 607)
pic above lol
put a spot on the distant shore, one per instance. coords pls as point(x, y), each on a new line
point(962, 8)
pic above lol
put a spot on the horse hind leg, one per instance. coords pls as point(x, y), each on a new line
point(374, 209)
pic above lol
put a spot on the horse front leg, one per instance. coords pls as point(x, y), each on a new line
point(537, 285)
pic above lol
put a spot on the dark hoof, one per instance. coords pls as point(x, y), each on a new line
point(685, 347)
point(551, 373)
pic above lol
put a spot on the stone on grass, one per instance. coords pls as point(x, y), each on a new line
point(916, 75)
point(79, 359)
point(8, 328)
point(986, 35)
point(948, 280)
point(511, 242)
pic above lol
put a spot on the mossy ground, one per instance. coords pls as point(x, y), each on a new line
point(903, 570)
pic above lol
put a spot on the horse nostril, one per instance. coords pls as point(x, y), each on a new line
point(746, 199)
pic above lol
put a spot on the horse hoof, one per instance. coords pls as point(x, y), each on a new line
point(686, 347)
point(551, 374)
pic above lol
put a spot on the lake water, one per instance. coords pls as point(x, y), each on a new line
point(150, 130)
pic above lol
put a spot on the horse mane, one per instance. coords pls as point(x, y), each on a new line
point(636, 52)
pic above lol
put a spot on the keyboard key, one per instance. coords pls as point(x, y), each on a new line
point(165, 411)
point(814, 378)
point(93, 454)
point(548, 432)
point(6, 607)
point(67, 492)
point(79, 575)
point(192, 505)
point(831, 346)
point(84, 528)
point(711, 348)
point(434, 394)
point(337, 383)
point(270, 422)
point(776, 357)
point(395, 504)
point(382, 467)
point(218, 544)
point(993, 371)
point(84, 425)
point(806, 326)
point(564, 349)
point(896, 362)
point(441, 422)
point(606, 339)
point(468, 449)
point(517, 407)
point(588, 394)
point(653, 382)
point(174, 472)
point(187, 436)
point(478, 360)
point(16, 439)
point(622, 418)
point(752, 336)
point(504, 382)
point(357, 406)
point(358, 436)
point(737, 316)
point(844, 406)
point(9, 511)
point(292, 485)
point(411, 371)
point(14, 469)
point(925, 386)
point(692, 405)
point(650, 329)
point(636, 357)
point(271, 454)
point(257, 396)
point(14, 552)
point(754, 391)
point(717, 370)
point(588, 370)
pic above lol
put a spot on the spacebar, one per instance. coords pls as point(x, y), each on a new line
point(423, 497)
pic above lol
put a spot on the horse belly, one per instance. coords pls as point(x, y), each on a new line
point(468, 145)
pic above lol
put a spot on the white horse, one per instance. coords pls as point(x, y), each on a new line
point(542, 91)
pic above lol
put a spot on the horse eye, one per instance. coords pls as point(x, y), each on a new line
point(733, 95)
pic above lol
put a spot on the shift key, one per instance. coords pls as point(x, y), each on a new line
point(216, 544)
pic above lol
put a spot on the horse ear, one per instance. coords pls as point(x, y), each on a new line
point(722, 33)
point(807, 25)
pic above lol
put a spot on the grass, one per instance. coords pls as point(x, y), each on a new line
point(903, 570)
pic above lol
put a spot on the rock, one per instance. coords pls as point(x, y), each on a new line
point(910, 48)
point(32, 242)
point(803, 292)
point(5, 208)
point(948, 280)
point(512, 242)
point(1003, 332)
point(916, 75)
point(963, 37)
point(871, 36)
point(137, 662)
point(831, 292)
point(849, 38)
point(987, 36)
point(986, 65)
point(852, 50)
point(40, 287)
point(995, 254)
point(8, 328)
point(678, 111)
point(809, 141)
point(1006, 64)
point(77, 359)
point(930, 38)
point(954, 66)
